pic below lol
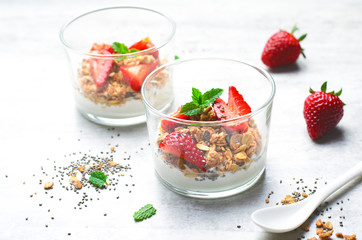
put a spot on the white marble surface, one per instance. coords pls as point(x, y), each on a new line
point(39, 121)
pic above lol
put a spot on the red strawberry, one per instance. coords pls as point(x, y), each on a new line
point(221, 110)
point(134, 75)
point(143, 45)
point(236, 102)
point(282, 49)
point(183, 146)
point(100, 67)
point(102, 46)
point(236, 107)
point(322, 111)
point(169, 126)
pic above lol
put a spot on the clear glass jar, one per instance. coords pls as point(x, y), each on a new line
point(107, 84)
point(234, 160)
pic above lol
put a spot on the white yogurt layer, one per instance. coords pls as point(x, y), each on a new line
point(229, 181)
point(131, 108)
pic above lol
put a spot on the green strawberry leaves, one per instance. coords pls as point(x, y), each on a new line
point(98, 179)
point(324, 89)
point(145, 212)
point(200, 101)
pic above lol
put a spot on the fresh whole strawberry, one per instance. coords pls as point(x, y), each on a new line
point(169, 126)
point(322, 111)
point(282, 49)
point(183, 146)
point(101, 67)
point(236, 107)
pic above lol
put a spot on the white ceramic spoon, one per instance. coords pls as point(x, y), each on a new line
point(282, 219)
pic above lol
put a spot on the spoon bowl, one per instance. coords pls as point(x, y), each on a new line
point(282, 219)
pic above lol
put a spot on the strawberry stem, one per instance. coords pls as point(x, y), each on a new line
point(294, 29)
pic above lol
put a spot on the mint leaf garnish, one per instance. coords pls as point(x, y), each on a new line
point(133, 50)
point(176, 57)
point(200, 101)
point(120, 48)
point(210, 96)
point(146, 211)
point(196, 96)
point(190, 109)
point(98, 179)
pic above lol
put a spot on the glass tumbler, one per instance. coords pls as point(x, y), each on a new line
point(110, 52)
point(206, 156)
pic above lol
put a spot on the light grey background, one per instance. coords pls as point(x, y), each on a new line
point(38, 120)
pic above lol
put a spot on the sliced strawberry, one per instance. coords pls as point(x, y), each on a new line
point(236, 107)
point(183, 146)
point(144, 44)
point(102, 46)
point(134, 75)
point(221, 109)
point(100, 67)
point(169, 126)
point(236, 102)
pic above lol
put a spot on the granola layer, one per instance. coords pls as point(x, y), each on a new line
point(115, 91)
point(223, 151)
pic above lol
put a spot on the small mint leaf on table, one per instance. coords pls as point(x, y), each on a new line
point(176, 57)
point(210, 96)
point(190, 109)
point(144, 212)
point(98, 179)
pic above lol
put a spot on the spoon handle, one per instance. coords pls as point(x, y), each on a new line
point(340, 181)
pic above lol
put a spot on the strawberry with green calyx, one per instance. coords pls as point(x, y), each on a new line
point(322, 111)
point(282, 49)
point(182, 145)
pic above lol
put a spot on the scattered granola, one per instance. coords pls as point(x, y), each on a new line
point(288, 200)
point(305, 227)
point(75, 182)
point(325, 231)
point(339, 235)
point(48, 185)
point(350, 237)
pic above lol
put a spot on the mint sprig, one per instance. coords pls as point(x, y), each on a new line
point(144, 212)
point(200, 101)
point(122, 49)
point(98, 179)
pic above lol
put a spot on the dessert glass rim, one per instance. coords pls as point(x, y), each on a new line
point(218, 122)
point(78, 16)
